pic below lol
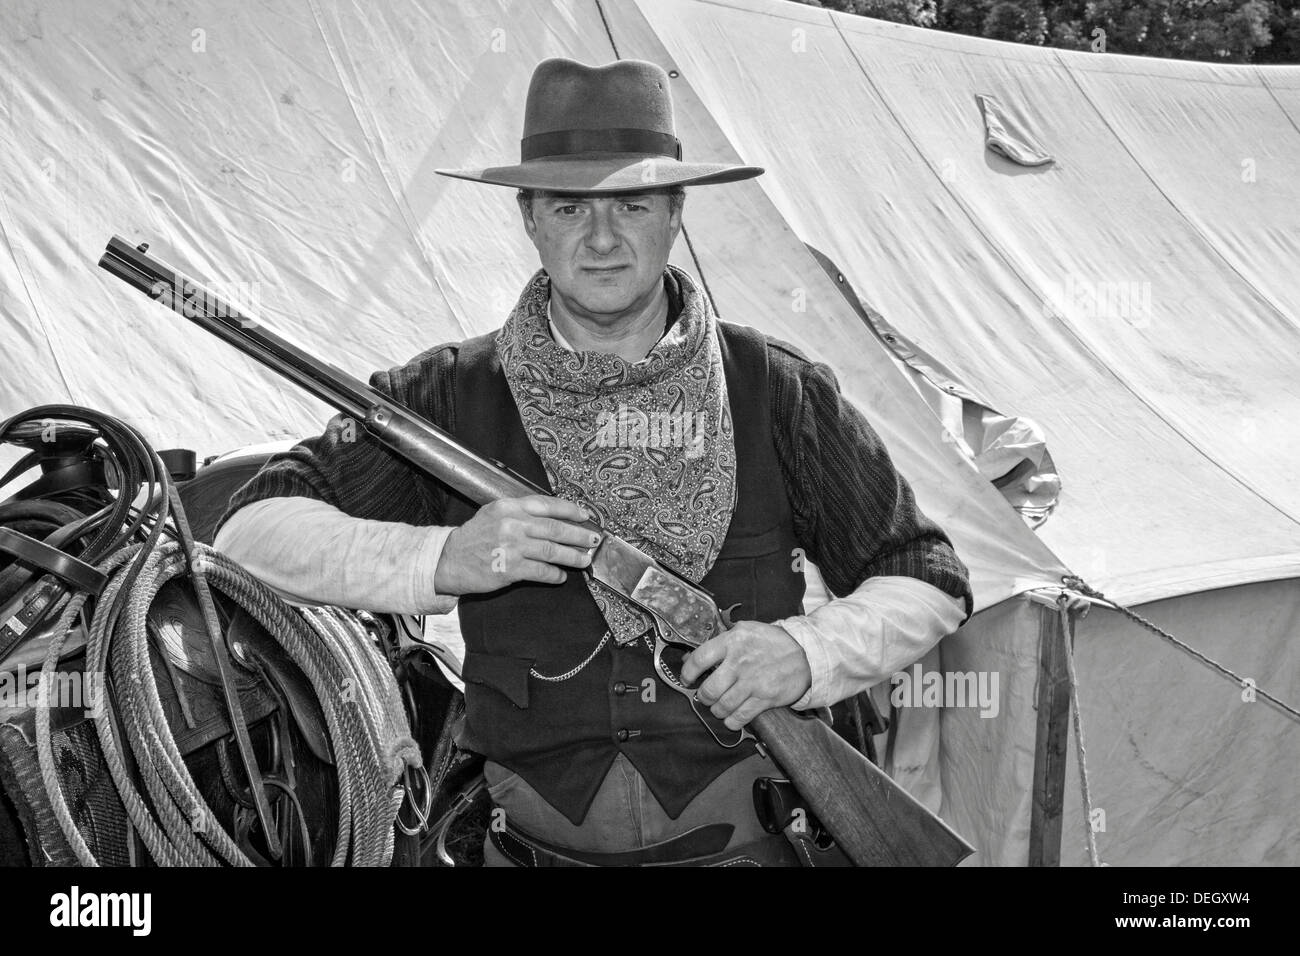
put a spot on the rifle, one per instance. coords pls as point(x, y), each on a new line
point(872, 819)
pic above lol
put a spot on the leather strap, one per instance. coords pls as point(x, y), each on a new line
point(79, 574)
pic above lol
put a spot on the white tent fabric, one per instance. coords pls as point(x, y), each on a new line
point(1178, 178)
point(284, 153)
point(291, 159)
point(1187, 768)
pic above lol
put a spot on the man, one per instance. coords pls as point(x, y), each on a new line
point(726, 455)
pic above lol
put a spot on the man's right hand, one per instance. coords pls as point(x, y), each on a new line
point(515, 539)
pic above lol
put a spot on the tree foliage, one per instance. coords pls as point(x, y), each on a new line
point(1231, 31)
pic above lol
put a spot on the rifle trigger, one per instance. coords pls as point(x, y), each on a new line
point(725, 614)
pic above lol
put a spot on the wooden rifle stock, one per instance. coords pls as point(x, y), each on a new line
point(874, 820)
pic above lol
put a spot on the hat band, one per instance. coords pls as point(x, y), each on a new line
point(566, 142)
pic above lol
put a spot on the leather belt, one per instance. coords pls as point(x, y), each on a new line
point(702, 846)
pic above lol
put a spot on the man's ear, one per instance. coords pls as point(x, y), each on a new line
point(530, 224)
point(675, 220)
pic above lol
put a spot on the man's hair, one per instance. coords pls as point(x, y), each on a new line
point(676, 196)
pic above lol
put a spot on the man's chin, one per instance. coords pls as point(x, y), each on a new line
point(606, 307)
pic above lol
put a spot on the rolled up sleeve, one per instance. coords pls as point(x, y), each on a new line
point(855, 642)
point(347, 468)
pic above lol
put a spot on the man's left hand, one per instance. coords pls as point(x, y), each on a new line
point(759, 666)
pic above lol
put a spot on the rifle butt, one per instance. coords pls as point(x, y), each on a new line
point(873, 820)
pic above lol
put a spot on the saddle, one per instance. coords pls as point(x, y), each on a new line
point(284, 811)
point(265, 677)
point(81, 473)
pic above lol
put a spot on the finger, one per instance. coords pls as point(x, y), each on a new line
point(727, 704)
point(745, 713)
point(561, 532)
point(551, 553)
point(546, 506)
point(540, 571)
point(721, 682)
point(708, 654)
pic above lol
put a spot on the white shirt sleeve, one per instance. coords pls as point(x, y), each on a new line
point(310, 552)
point(863, 638)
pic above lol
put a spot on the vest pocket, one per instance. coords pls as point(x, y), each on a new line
point(757, 571)
point(506, 675)
point(742, 543)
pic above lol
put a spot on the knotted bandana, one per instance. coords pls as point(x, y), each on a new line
point(647, 446)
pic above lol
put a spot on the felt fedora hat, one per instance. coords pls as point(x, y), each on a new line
point(601, 129)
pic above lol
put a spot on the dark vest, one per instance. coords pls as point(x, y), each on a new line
point(562, 736)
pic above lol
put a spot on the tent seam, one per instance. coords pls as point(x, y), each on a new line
point(909, 35)
point(600, 9)
point(1021, 584)
point(1172, 204)
point(1206, 241)
point(996, 247)
point(690, 246)
point(36, 311)
point(384, 172)
point(1263, 79)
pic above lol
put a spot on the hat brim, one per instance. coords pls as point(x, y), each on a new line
point(605, 173)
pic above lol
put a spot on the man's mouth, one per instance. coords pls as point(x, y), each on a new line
point(603, 268)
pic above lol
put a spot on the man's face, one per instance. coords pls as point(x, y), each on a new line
point(605, 254)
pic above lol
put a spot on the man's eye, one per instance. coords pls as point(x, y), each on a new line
point(633, 207)
point(567, 210)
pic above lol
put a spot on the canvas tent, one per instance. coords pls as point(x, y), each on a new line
point(284, 152)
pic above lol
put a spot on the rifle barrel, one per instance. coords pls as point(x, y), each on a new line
point(420, 442)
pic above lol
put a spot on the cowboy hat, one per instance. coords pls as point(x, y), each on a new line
point(601, 129)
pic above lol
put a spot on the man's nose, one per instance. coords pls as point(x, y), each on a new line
point(601, 237)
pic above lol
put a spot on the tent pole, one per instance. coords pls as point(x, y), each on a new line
point(1051, 742)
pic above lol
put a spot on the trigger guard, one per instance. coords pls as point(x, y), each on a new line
point(666, 675)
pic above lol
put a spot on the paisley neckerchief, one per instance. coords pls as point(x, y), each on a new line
point(648, 446)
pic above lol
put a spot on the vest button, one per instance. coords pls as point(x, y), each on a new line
point(620, 688)
point(623, 735)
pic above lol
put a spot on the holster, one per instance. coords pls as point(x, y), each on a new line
point(780, 810)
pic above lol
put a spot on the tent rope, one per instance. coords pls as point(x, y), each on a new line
point(1067, 641)
point(699, 269)
point(1075, 583)
point(600, 8)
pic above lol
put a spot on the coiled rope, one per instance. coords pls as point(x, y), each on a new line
point(141, 550)
point(368, 730)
